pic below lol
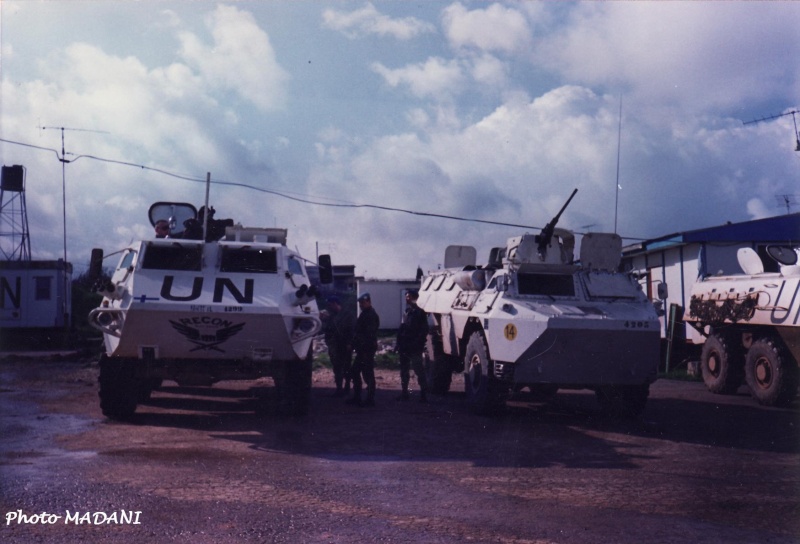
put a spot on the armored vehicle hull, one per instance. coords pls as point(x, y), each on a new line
point(198, 312)
point(533, 318)
point(752, 326)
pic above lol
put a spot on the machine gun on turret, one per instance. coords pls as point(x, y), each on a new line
point(543, 239)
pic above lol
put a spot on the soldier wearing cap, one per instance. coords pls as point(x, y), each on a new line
point(365, 344)
point(411, 339)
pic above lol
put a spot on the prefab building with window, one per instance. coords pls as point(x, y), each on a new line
point(388, 298)
point(677, 260)
point(35, 294)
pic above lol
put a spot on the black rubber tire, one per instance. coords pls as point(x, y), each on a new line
point(294, 387)
point(437, 370)
point(146, 388)
point(623, 401)
point(486, 395)
point(119, 388)
point(722, 364)
point(771, 372)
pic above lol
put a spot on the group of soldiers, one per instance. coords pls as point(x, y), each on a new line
point(345, 335)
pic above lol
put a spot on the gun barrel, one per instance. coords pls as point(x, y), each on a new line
point(564, 207)
point(547, 232)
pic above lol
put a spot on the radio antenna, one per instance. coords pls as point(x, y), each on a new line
point(64, 162)
point(619, 146)
point(787, 200)
point(793, 113)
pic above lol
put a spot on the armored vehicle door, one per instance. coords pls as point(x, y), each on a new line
point(488, 296)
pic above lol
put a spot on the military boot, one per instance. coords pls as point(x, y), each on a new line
point(370, 396)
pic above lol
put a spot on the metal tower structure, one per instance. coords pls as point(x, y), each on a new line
point(15, 242)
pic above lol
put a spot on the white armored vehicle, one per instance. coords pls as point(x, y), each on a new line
point(209, 302)
point(752, 326)
point(532, 317)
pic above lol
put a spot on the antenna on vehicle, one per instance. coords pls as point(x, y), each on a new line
point(205, 212)
point(793, 113)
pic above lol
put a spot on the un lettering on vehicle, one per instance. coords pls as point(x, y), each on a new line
point(242, 294)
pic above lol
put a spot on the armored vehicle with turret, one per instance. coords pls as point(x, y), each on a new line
point(532, 317)
point(209, 301)
point(751, 322)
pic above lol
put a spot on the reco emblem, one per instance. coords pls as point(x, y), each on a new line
point(209, 332)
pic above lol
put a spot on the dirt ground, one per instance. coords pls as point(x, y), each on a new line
point(218, 465)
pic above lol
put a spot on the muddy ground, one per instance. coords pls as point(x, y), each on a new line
point(218, 465)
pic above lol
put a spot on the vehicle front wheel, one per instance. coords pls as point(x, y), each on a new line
point(486, 395)
point(294, 387)
point(771, 373)
point(146, 388)
point(722, 364)
point(119, 387)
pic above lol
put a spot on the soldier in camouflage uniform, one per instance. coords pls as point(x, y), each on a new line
point(365, 344)
point(411, 340)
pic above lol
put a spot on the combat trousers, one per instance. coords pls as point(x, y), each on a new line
point(364, 366)
point(341, 362)
point(410, 361)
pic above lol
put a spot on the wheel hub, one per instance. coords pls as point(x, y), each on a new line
point(713, 364)
point(475, 373)
point(763, 372)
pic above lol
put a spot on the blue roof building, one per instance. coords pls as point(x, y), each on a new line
point(678, 259)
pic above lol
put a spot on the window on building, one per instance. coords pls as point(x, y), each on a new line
point(43, 287)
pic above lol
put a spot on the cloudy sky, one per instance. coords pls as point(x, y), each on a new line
point(488, 111)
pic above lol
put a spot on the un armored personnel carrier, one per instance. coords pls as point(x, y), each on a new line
point(532, 317)
point(211, 301)
point(752, 326)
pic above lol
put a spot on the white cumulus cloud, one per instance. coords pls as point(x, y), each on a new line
point(368, 20)
point(496, 28)
point(435, 78)
point(241, 58)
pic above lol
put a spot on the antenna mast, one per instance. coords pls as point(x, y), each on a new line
point(786, 200)
point(619, 145)
point(793, 113)
point(64, 162)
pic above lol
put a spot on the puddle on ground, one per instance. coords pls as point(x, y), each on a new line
point(29, 434)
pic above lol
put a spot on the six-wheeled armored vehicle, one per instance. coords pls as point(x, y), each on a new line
point(211, 301)
point(533, 318)
point(752, 326)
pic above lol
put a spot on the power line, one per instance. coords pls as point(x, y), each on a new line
point(289, 196)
